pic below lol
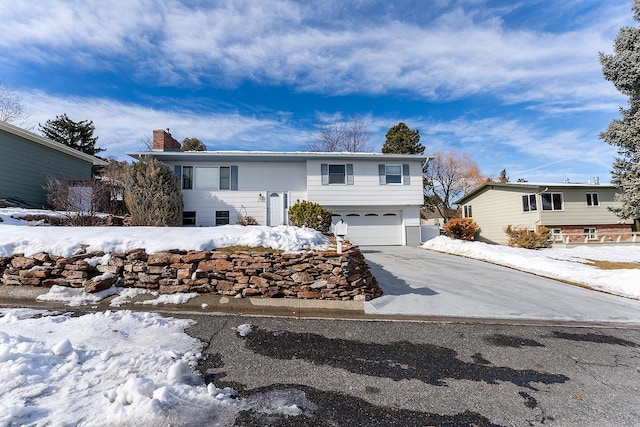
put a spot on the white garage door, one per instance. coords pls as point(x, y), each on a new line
point(372, 227)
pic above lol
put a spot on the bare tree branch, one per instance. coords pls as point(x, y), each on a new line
point(349, 136)
point(12, 109)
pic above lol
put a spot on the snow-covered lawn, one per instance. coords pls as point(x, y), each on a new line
point(571, 264)
point(17, 237)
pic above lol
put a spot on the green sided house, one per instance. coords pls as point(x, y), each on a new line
point(27, 159)
point(573, 212)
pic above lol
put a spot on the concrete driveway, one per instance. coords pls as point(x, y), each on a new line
point(420, 282)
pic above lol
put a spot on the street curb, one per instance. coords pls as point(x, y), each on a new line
point(212, 305)
point(26, 296)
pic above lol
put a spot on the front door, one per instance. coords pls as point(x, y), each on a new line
point(276, 207)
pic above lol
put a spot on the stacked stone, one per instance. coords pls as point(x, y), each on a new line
point(309, 275)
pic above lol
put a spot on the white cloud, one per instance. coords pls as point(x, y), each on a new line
point(122, 127)
point(466, 50)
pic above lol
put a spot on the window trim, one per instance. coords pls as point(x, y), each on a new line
point(530, 207)
point(188, 181)
point(589, 234)
point(556, 234)
point(387, 174)
point(219, 221)
point(405, 177)
point(343, 174)
point(188, 217)
point(591, 198)
point(552, 200)
point(187, 178)
point(325, 176)
point(467, 211)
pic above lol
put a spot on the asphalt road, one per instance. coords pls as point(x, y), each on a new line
point(420, 282)
point(371, 373)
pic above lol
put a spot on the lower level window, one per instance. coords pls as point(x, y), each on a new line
point(556, 234)
point(189, 218)
point(590, 233)
point(222, 217)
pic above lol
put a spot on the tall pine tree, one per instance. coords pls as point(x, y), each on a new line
point(78, 135)
point(402, 140)
point(622, 68)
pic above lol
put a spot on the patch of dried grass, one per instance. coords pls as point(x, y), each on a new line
point(612, 265)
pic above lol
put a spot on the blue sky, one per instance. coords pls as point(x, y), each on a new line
point(516, 84)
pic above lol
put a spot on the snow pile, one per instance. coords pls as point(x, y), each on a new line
point(65, 241)
point(565, 264)
point(114, 369)
point(111, 368)
point(75, 297)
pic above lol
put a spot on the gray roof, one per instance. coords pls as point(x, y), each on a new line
point(529, 186)
point(272, 156)
point(15, 130)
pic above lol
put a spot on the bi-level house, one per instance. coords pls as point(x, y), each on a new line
point(574, 212)
point(378, 195)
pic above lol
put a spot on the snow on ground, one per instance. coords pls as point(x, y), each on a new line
point(113, 369)
point(110, 368)
point(571, 264)
point(65, 241)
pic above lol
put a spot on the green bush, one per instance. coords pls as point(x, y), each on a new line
point(522, 237)
point(462, 228)
point(311, 215)
point(152, 194)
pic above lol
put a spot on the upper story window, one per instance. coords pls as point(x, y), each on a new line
point(551, 201)
point(468, 212)
point(208, 177)
point(187, 177)
point(529, 203)
point(393, 174)
point(592, 199)
point(336, 174)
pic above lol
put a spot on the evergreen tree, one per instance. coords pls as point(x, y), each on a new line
point(78, 135)
point(152, 194)
point(503, 176)
point(193, 144)
point(402, 140)
point(621, 68)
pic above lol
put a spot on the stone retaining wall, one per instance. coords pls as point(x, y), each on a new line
point(312, 274)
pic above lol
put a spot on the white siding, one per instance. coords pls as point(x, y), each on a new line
point(255, 179)
point(366, 189)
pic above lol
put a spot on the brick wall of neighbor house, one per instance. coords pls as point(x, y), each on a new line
point(600, 228)
point(163, 141)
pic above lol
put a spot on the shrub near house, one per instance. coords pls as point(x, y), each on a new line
point(462, 228)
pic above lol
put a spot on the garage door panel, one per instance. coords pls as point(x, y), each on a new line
point(372, 228)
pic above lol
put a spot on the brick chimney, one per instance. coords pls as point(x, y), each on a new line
point(163, 141)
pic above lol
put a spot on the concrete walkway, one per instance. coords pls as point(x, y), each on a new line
point(419, 282)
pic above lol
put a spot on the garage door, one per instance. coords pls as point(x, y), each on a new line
point(372, 228)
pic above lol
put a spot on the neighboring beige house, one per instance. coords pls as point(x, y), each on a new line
point(577, 209)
